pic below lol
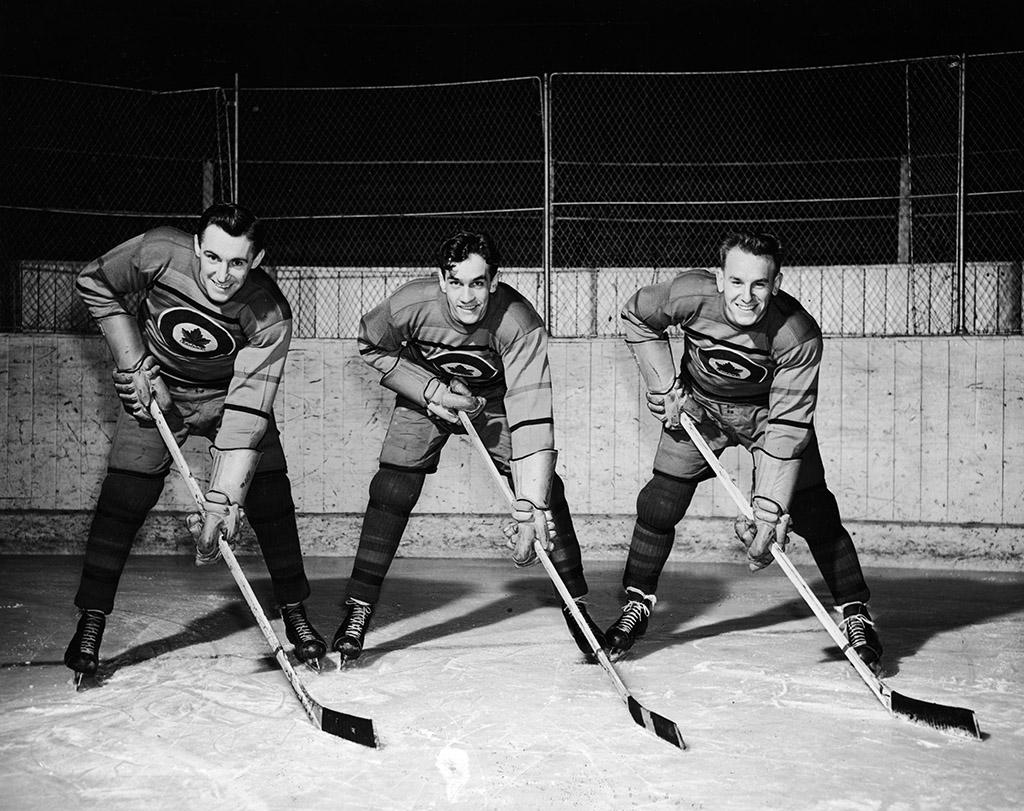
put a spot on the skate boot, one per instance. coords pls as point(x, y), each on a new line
point(348, 639)
point(578, 635)
point(860, 631)
point(309, 645)
point(632, 625)
point(83, 653)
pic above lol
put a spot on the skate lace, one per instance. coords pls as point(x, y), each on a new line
point(855, 628)
point(358, 616)
point(296, 618)
point(91, 630)
point(632, 613)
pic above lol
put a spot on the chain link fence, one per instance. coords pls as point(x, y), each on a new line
point(86, 167)
point(856, 168)
point(379, 177)
point(896, 187)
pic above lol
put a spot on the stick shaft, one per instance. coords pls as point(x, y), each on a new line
point(236, 570)
point(549, 567)
point(787, 566)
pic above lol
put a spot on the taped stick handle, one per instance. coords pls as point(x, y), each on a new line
point(236, 570)
point(549, 567)
point(872, 681)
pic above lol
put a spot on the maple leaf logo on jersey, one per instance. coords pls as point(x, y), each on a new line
point(467, 365)
point(735, 365)
point(195, 338)
point(193, 334)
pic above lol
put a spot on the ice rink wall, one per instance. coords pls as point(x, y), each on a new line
point(923, 441)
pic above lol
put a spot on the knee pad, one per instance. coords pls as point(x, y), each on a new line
point(814, 514)
point(269, 497)
point(396, 491)
point(662, 502)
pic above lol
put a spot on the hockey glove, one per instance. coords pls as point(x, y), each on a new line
point(530, 523)
point(667, 405)
point(219, 517)
point(222, 512)
point(446, 401)
point(139, 386)
point(769, 524)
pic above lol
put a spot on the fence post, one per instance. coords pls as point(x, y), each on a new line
point(960, 271)
point(905, 224)
point(549, 182)
point(207, 184)
point(234, 178)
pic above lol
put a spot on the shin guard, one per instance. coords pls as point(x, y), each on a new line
point(660, 505)
point(814, 515)
point(393, 495)
point(125, 501)
point(271, 513)
point(566, 555)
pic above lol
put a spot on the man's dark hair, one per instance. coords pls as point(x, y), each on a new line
point(458, 247)
point(235, 220)
point(758, 243)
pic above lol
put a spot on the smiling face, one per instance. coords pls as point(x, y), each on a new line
point(747, 283)
point(224, 262)
point(468, 286)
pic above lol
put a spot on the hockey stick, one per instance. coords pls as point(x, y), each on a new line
point(939, 716)
point(661, 726)
point(350, 727)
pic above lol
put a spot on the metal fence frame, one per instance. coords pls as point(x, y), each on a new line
point(972, 288)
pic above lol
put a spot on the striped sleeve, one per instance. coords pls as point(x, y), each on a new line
point(103, 283)
point(528, 395)
point(380, 345)
point(258, 369)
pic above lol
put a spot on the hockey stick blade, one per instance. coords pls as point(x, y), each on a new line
point(661, 726)
point(350, 727)
point(955, 720)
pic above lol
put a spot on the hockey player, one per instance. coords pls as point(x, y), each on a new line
point(461, 341)
point(748, 376)
point(209, 345)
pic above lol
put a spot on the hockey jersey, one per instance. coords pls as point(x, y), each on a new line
point(239, 346)
point(773, 363)
point(412, 338)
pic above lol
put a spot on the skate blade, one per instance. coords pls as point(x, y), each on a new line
point(345, 662)
point(314, 665)
point(83, 681)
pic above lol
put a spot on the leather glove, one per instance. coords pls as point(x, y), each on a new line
point(667, 405)
point(446, 401)
point(529, 523)
point(219, 517)
point(139, 386)
point(769, 524)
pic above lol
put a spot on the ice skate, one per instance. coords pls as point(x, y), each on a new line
point(632, 624)
point(348, 639)
point(83, 652)
point(860, 631)
point(578, 635)
point(309, 645)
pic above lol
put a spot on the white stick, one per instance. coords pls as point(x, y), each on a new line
point(872, 681)
point(312, 708)
point(661, 726)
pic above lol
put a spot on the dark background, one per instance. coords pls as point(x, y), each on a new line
point(350, 42)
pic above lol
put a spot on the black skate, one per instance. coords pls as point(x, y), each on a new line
point(632, 624)
point(860, 631)
point(348, 639)
point(83, 653)
point(309, 645)
point(578, 635)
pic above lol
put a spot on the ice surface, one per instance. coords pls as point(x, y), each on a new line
point(481, 700)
